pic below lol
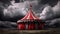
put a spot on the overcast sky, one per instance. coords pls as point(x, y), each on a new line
point(13, 9)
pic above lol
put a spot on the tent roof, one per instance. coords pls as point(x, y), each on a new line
point(30, 15)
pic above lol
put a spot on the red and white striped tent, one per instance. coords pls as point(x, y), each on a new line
point(22, 24)
point(29, 16)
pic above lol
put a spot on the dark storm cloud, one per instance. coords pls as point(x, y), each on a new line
point(3, 4)
point(17, 1)
point(51, 11)
point(14, 11)
point(53, 22)
point(37, 6)
point(47, 13)
point(51, 15)
point(7, 24)
point(50, 2)
point(5, 1)
point(56, 11)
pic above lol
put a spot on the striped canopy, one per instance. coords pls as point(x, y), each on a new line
point(30, 15)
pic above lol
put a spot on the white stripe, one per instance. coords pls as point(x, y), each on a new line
point(28, 16)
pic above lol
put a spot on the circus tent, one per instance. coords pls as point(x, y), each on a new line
point(30, 21)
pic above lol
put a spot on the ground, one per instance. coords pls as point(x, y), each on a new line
point(10, 31)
